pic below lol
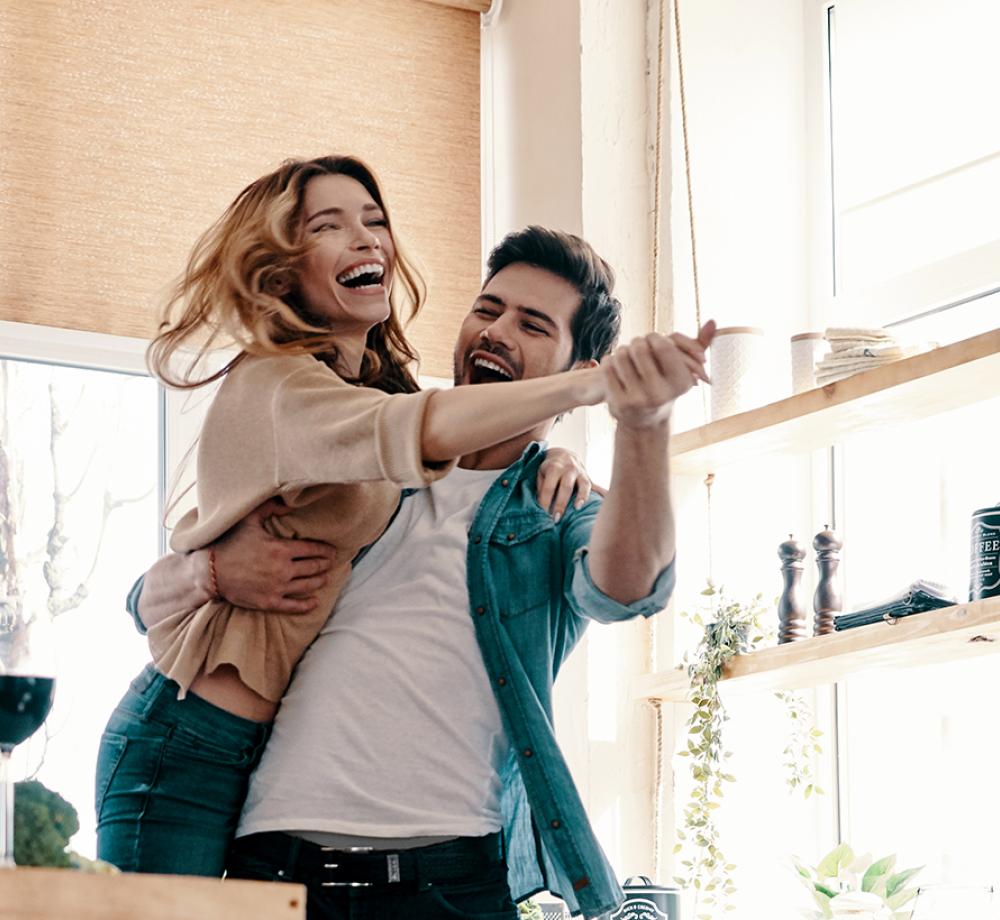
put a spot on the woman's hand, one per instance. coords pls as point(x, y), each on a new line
point(257, 571)
point(560, 474)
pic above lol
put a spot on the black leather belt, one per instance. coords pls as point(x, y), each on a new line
point(303, 861)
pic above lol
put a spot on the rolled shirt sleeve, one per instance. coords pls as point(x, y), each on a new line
point(588, 600)
point(584, 597)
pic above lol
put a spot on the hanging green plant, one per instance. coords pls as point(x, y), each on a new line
point(735, 629)
point(803, 745)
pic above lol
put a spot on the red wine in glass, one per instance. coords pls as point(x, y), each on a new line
point(25, 702)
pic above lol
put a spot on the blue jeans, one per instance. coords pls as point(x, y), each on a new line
point(462, 878)
point(171, 779)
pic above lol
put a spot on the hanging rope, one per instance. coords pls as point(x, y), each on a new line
point(687, 160)
point(658, 163)
point(658, 771)
point(709, 481)
point(657, 787)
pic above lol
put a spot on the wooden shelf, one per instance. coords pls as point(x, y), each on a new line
point(945, 378)
point(949, 634)
point(55, 894)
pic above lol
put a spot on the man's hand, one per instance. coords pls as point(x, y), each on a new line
point(646, 376)
point(258, 571)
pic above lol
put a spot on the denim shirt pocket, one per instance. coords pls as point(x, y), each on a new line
point(523, 550)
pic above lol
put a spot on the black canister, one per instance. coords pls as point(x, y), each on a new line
point(985, 575)
point(646, 901)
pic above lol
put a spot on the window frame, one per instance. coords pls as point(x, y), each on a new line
point(96, 351)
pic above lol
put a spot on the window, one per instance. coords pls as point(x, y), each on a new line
point(915, 154)
point(915, 160)
point(82, 433)
point(901, 174)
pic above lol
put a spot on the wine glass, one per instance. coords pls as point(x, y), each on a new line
point(27, 684)
point(950, 902)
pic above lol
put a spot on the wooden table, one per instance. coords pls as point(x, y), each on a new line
point(62, 894)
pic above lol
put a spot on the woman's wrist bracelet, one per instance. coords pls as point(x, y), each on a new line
point(213, 581)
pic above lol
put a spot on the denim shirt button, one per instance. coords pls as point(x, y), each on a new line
point(502, 681)
point(477, 539)
point(504, 483)
point(556, 824)
point(528, 752)
point(480, 610)
point(511, 536)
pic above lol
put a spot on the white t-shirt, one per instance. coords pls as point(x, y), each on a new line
point(390, 727)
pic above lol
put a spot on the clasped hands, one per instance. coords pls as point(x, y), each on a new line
point(642, 379)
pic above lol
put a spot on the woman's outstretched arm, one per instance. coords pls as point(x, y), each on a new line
point(469, 418)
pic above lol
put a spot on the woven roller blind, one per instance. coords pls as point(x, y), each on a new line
point(129, 125)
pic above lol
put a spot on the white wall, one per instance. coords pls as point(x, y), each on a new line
point(565, 145)
point(745, 78)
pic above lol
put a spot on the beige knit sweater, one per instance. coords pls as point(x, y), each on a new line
point(337, 453)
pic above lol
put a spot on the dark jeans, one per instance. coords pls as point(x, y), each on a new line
point(171, 779)
point(466, 877)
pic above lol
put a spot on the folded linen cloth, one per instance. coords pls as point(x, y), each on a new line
point(837, 367)
point(861, 334)
point(918, 597)
point(865, 351)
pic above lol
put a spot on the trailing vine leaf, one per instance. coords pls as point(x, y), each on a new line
point(803, 745)
point(735, 629)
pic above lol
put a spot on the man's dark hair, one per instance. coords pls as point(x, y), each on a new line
point(598, 321)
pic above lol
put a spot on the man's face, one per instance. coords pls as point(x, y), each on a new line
point(518, 328)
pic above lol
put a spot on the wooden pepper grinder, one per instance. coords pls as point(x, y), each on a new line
point(827, 602)
point(791, 609)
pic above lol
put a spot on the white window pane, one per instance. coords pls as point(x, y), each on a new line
point(920, 752)
point(83, 450)
point(915, 88)
point(921, 755)
point(916, 154)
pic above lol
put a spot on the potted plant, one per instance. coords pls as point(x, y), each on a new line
point(845, 885)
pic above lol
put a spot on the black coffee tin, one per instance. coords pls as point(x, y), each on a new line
point(646, 901)
point(985, 572)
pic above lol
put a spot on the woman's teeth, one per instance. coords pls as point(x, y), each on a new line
point(368, 275)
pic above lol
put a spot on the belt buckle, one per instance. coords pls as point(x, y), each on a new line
point(332, 865)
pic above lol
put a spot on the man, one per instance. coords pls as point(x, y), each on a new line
point(412, 770)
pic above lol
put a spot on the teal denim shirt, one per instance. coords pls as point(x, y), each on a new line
point(531, 597)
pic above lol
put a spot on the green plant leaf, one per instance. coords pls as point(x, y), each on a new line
point(896, 882)
point(829, 865)
point(876, 870)
point(824, 890)
point(900, 898)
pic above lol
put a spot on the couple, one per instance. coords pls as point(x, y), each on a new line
point(412, 770)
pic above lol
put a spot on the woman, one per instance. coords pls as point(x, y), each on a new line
point(318, 408)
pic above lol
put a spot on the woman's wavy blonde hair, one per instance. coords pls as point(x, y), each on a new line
point(241, 286)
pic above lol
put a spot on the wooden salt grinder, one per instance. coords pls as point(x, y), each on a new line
point(791, 609)
point(827, 602)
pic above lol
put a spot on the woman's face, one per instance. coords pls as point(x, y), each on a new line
point(345, 278)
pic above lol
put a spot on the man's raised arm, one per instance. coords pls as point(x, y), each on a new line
point(633, 539)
